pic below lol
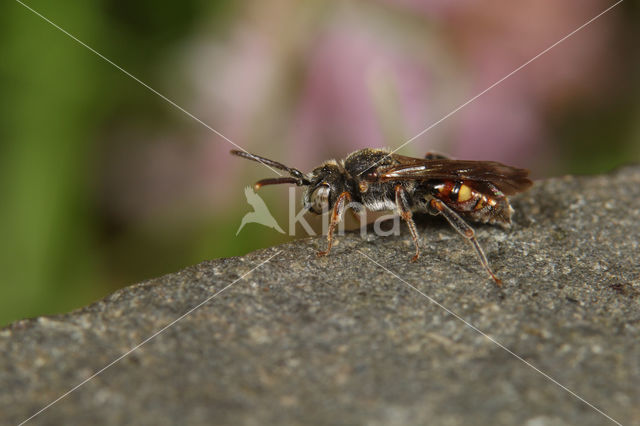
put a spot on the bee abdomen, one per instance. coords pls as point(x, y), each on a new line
point(481, 206)
point(457, 192)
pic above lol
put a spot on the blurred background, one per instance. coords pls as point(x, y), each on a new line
point(104, 184)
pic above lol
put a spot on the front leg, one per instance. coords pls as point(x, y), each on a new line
point(403, 210)
point(466, 231)
point(336, 216)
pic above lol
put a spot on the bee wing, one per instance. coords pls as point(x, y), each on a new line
point(509, 180)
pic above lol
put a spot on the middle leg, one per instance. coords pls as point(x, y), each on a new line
point(405, 212)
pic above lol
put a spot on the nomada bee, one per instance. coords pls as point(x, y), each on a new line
point(460, 190)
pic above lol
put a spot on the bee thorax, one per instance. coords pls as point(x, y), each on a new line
point(380, 204)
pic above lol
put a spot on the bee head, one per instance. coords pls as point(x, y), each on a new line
point(327, 182)
point(324, 184)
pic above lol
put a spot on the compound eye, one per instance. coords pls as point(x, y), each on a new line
point(320, 199)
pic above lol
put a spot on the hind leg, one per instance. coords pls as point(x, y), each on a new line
point(466, 231)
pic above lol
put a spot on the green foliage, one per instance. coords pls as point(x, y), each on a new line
point(56, 97)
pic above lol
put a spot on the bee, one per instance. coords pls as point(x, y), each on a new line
point(376, 179)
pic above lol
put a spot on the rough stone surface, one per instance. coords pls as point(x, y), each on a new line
point(340, 340)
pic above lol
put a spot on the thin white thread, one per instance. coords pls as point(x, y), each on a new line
point(432, 300)
point(499, 81)
point(144, 341)
point(140, 82)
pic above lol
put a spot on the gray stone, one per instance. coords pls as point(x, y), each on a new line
point(340, 340)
